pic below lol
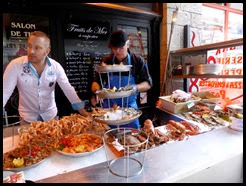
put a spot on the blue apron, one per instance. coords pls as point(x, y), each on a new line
point(114, 81)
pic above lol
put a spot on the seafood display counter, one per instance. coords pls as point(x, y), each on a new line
point(199, 158)
point(57, 163)
point(208, 155)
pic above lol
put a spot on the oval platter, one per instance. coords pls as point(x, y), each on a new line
point(113, 95)
point(25, 167)
point(118, 121)
point(80, 154)
point(113, 68)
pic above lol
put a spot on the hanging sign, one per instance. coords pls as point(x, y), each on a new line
point(87, 30)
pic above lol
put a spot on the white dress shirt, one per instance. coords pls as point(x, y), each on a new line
point(37, 94)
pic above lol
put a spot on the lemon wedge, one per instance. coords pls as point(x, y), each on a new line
point(19, 162)
point(79, 148)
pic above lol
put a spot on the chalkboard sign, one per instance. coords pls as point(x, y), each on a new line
point(85, 45)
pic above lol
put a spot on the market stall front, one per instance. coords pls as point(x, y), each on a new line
point(200, 158)
point(190, 138)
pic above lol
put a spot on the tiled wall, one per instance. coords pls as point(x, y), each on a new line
point(189, 14)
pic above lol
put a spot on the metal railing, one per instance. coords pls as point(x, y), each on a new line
point(6, 118)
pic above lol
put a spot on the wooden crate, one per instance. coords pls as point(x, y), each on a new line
point(175, 108)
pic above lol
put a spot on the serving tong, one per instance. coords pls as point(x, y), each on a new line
point(22, 130)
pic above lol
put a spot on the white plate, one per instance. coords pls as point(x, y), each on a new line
point(119, 121)
point(113, 68)
point(25, 167)
point(80, 154)
point(113, 95)
point(236, 129)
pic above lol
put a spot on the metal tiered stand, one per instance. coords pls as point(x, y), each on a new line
point(104, 94)
point(127, 162)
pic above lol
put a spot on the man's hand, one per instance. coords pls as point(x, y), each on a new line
point(94, 100)
point(95, 86)
point(83, 112)
point(135, 89)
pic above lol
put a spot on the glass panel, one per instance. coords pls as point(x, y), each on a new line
point(231, 61)
point(212, 25)
point(138, 37)
point(16, 29)
point(238, 6)
point(235, 27)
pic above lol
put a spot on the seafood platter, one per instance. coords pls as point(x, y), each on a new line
point(124, 143)
point(175, 108)
point(155, 136)
point(19, 159)
point(103, 68)
point(115, 115)
point(210, 119)
point(115, 93)
point(179, 101)
point(79, 145)
point(73, 135)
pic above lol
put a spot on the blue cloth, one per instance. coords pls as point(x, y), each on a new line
point(116, 82)
point(135, 124)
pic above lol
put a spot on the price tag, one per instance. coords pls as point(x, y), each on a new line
point(143, 97)
point(190, 104)
point(15, 178)
point(117, 145)
point(237, 123)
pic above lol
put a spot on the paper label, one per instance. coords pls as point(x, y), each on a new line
point(237, 123)
point(15, 178)
point(143, 97)
point(118, 146)
point(190, 104)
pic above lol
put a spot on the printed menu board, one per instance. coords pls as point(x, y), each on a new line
point(85, 45)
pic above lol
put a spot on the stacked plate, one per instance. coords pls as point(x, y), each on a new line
point(207, 68)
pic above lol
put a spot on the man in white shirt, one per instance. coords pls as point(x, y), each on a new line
point(35, 76)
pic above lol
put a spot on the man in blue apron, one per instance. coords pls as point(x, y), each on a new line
point(140, 78)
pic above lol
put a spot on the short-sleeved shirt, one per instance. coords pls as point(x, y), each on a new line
point(139, 69)
point(37, 93)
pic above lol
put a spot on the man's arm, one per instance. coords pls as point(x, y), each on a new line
point(142, 87)
point(69, 91)
point(83, 112)
point(9, 81)
point(143, 80)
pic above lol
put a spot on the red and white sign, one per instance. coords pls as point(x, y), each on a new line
point(143, 97)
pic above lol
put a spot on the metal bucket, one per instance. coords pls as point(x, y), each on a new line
point(236, 122)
